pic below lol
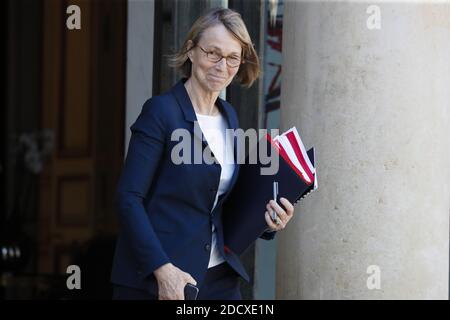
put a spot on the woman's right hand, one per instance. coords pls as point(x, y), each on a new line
point(171, 282)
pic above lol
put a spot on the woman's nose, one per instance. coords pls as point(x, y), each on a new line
point(222, 64)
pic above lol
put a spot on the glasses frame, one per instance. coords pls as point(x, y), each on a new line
point(222, 57)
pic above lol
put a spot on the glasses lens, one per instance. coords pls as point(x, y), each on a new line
point(233, 61)
point(214, 56)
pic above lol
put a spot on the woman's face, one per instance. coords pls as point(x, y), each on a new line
point(214, 76)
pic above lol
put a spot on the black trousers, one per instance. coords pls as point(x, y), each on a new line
point(221, 283)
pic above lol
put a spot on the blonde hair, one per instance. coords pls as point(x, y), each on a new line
point(249, 70)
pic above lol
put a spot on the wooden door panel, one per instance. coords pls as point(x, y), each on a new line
point(83, 87)
point(75, 114)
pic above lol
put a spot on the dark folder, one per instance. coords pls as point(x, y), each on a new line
point(243, 214)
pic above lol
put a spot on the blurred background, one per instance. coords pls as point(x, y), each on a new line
point(70, 96)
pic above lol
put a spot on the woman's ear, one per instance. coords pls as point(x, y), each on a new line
point(190, 45)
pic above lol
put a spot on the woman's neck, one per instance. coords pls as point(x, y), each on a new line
point(202, 100)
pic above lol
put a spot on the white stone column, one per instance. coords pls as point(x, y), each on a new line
point(139, 59)
point(376, 106)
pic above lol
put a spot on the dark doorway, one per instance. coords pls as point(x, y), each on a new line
point(63, 150)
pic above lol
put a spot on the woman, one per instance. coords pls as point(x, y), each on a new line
point(170, 214)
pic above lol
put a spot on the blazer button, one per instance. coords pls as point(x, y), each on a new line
point(207, 247)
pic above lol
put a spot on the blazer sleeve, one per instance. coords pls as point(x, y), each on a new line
point(144, 154)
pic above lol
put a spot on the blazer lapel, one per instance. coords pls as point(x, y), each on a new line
point(189, 114)
point(185, 103)
point(188, 109)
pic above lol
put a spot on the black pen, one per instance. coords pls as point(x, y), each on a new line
point(275, 195)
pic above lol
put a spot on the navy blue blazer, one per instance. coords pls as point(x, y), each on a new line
point(165, 208)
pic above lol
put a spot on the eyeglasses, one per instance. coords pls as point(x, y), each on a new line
point(232, 61)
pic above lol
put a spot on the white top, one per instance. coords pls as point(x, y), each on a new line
point(214, 131)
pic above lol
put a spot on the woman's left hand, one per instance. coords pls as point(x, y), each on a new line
point(282, 215)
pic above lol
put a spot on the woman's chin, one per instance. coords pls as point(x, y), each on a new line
point(215, 86)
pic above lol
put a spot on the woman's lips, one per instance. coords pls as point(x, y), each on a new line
point(216, 78)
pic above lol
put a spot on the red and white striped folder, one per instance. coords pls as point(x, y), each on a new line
point(291, 148)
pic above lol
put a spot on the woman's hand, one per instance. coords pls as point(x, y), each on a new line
point(171, 282)
point(282, 215)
